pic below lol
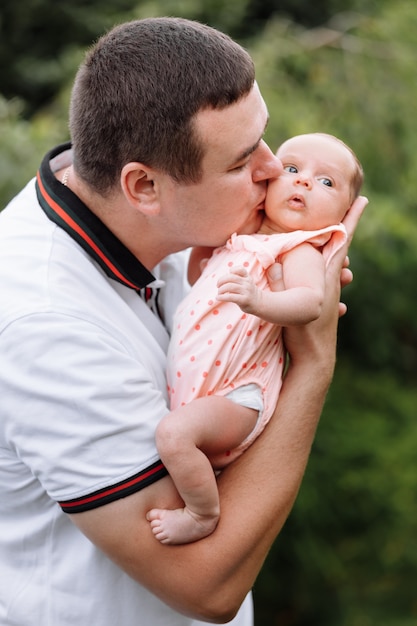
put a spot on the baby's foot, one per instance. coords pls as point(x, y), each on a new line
point(180, 525)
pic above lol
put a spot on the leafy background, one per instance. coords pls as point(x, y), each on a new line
point(348, 553)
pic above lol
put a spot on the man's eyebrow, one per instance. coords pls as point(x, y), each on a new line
point(251, 149)
point(248, 151)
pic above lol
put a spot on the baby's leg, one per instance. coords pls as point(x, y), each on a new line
point(186, 438)
point(194, 478)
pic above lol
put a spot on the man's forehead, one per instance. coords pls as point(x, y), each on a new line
point(235, 130)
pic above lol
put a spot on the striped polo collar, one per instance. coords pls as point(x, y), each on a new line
point(66, 209)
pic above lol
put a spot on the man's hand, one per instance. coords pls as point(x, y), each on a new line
point(350, 221)
point(346, 276)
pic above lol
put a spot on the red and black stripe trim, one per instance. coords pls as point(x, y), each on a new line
point(64, 208)
point(114, 492)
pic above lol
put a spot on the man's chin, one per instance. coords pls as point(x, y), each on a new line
point(254, 226)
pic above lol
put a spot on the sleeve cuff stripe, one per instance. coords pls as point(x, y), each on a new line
point(122, 489)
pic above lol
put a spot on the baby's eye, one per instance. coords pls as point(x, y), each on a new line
point(291, 168)
point(326, 181)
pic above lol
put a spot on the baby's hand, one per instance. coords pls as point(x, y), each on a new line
point(239, 287)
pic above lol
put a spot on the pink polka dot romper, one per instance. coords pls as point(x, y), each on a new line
point(215, 347)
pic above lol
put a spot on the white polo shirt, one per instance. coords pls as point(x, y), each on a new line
point(82, 387)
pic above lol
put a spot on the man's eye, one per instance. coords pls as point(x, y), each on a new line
point(291, 168)
point(326, 181)
point(239, 167)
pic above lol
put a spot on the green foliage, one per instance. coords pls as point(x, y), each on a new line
point(34, 33)
point(348, 554)
point(17, 148)
point(380, 330)
point(23, 143)
point(308, 14)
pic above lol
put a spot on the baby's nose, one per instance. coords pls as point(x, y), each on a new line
point(305, 181)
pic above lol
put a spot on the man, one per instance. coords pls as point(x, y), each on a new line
point(167, 152)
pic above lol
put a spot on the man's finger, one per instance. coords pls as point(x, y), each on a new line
point(354, 214)
point(274, 275)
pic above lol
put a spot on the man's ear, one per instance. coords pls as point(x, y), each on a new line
point(138, 187)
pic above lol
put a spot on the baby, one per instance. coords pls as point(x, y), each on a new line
point(226, 356)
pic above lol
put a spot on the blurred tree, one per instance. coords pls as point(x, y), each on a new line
point(308, 14)
point(348, 553)
point(34, 33)
point(22, 144)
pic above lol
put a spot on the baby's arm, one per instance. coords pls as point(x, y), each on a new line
point(299, 303)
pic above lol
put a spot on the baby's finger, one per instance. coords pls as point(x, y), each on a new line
point(239, 270)
point(229, 287)
point(234, 277)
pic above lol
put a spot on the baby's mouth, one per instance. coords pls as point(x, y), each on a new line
point(296, 202)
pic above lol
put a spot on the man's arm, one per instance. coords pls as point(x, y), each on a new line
point(209, 579)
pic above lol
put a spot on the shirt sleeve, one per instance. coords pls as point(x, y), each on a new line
point(82, 407)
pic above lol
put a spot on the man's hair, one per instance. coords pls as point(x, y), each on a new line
point(138, 90)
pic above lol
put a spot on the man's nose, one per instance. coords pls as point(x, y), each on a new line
point(267, 165)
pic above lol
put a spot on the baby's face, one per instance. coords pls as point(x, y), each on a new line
point(314, 190)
